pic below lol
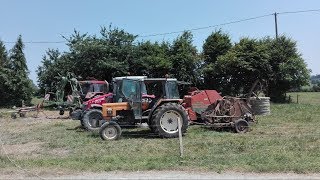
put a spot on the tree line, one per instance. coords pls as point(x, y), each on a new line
point(231, 68)
point(314, 85)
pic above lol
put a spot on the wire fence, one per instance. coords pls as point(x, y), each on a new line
point(299, 98)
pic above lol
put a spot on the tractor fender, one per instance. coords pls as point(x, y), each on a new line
point(96, 106)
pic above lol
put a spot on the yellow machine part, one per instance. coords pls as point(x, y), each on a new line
point(109, 110)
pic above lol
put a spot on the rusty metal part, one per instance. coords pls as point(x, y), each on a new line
point(228, 110)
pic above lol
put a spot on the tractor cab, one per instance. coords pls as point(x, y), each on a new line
point(143, 93)
point(138, 99)
point(92, 88)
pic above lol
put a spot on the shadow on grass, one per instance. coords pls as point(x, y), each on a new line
point(77, 129)
point(126, 133)
point(222, 129)
point(139, 133)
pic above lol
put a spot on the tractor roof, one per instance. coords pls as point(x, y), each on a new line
point(143, 78)
point(93, 82)
point(129, 77)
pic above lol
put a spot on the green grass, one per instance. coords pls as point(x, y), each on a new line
point(286, 141)
point(305, 97)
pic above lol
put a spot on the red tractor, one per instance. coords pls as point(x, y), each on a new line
point(91, 108)
point(138, 99)
point(94, 94)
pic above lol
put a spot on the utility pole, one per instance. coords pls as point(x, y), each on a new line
point(276, 24)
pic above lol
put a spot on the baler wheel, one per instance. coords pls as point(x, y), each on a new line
point(241, 126)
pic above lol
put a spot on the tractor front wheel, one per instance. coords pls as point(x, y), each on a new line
point(92, 119)
point(165, 120)
point(110, 131)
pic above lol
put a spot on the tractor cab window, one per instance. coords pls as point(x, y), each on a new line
point(100, 88)
point(129, 88)
point(143, 88)
point(172, 89)
point(85, 88)
point(91, 87)
point(155, 88)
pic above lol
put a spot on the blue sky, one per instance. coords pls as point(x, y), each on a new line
point(44, 20)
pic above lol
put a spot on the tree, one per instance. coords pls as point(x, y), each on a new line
point(20, 83)
point(4, 75)
point(217, 44)
point(315, 79)
point(49, 71)
point(102, 57)
point(152, 59)
point(273, 61)
point(183, 56)
point(3, 56)
point(288, 67)
point(236, 71)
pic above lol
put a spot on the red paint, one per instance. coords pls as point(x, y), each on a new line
point(197, 101)
point(98, 101)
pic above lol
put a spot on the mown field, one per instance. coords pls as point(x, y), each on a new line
point(305, 97)
point(286, 141)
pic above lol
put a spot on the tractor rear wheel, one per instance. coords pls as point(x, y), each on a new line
point(241, 126)
point(92, 119)
point(165, 120)
point(110, 131)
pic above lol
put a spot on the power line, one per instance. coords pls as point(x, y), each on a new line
point(180, 31)
point(304, 11)
point(200, 28)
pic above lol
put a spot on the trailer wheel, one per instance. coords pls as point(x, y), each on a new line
point(92, 119)
point(110, 131)
point(241, 126)
point(165, 120)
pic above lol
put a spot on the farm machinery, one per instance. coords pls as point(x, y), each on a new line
point(156, 101)
point(90, 110)
point(70, 95)
point(210, 108)
point(138, 99)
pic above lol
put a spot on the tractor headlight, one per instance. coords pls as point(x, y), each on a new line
point(109, 111)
